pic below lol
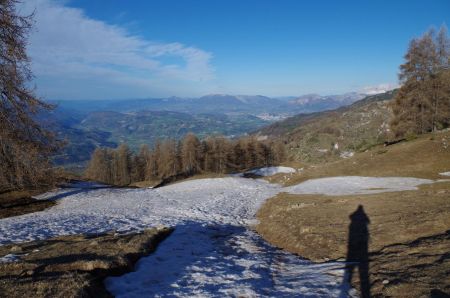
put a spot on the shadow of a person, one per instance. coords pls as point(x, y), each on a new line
point(358, 250)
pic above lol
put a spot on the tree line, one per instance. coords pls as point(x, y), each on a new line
point(189, 156)
point(422, 104)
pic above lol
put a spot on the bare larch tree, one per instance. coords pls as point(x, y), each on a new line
point(24, 144)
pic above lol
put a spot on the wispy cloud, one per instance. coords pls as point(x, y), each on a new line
point(69, 50)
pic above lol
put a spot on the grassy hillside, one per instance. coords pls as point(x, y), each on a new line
point(424, 157)
point(409, 230)
point(312, 137)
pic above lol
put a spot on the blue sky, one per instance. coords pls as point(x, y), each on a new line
point(85, 49)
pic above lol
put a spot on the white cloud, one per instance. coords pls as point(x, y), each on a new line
point(381, 88)
point(70, 48)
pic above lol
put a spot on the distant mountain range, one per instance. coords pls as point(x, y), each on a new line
point(219, 103)
point(85, 125)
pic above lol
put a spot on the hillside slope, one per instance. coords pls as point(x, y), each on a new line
point(310, 103)
point(409, 231)
point(330, 134)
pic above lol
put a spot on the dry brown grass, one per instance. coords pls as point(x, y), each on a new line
point(16, 203)
point(73, 266)
point(316, 227)
point(409, 231)
point(424, 157)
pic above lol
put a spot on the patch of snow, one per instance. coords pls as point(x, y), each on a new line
point(231, 261)
point(382, 88)
point(442, 180)
point(445, 174)
point(346, 154)
point(262, 138)
point(356, 185)
point(85, 210)
point(211, 252)
point(9, 258)
point(270, 171)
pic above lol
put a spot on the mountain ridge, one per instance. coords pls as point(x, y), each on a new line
point(223, 103)
point(329, 135)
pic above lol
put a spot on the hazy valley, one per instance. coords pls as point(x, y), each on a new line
point(85, 125)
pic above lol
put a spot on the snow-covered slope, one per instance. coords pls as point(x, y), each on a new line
point(212, 252)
